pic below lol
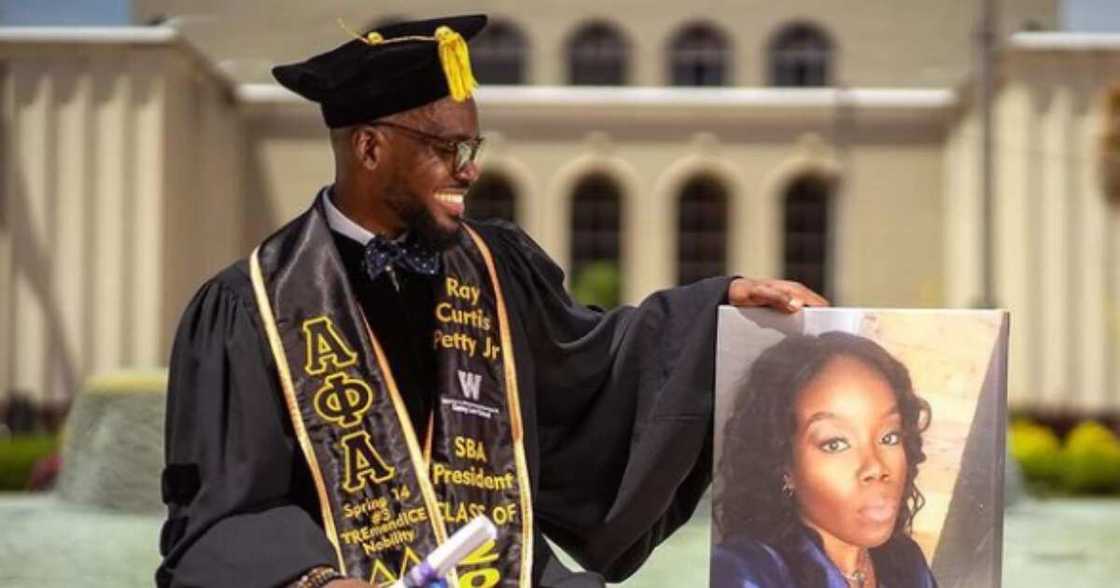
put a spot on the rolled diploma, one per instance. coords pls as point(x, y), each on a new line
point(446, 556)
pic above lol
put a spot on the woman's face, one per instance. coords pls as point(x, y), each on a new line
point(849, 465)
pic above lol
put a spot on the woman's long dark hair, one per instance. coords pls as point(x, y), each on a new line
point(758, 439)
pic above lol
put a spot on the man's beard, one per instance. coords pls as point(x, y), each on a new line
point(419, 220)
point(436, 237)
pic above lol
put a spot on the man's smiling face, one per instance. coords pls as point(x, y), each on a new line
point(426, 191)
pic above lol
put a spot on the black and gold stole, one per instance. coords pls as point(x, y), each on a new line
point(387, 497)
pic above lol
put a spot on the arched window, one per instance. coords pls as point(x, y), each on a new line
point(492, 196)
point(699, 55)
point(598, 55)
point(701, 230)
point(595, 241)
point(801, 56)
point(807, 232)
point(498, 54)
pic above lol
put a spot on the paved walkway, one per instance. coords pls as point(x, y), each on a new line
point(1066, 543)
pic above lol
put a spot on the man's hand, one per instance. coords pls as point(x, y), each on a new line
point(783, 295)
point(346, 583)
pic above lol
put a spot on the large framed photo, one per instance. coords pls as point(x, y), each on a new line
point(859, 448)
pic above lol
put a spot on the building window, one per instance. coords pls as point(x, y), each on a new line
point(598, 55)
point(701, 230)
point(800, 56)
point(807, 232)
point(498, 54)
point(699, 56)
point(492, 196)
point(595, 241)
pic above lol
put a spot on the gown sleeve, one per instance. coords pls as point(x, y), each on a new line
point(235, 484)
point(624, 408)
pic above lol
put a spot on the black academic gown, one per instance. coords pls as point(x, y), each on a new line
point(617, 407)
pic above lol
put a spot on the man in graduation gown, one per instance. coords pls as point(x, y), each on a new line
point(382, 370)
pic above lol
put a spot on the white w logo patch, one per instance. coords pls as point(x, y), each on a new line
point(470, 383)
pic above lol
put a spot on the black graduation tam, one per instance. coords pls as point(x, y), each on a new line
point(388, 70)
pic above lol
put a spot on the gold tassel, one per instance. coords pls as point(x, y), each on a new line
point(456, 61)
point(454, 56)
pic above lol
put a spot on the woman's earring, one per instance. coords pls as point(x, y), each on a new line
point(787, 486)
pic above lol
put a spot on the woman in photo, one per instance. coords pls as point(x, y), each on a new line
point(819, 461)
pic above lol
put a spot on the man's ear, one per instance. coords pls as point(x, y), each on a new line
point(368, 145)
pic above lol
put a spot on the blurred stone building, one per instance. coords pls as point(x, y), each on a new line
point(834, 143)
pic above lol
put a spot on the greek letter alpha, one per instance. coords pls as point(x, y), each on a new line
point(362, 462)
point(325, 346)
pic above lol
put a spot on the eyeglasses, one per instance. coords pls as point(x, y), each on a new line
point(465, 151)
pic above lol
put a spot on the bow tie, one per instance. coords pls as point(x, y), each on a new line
point(410, 254)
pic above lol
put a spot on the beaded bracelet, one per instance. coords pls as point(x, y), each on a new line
point(317, 577)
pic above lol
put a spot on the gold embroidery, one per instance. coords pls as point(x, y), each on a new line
point(343, 400)
point(362, 462)
point(324, 345)
point(274, 342)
